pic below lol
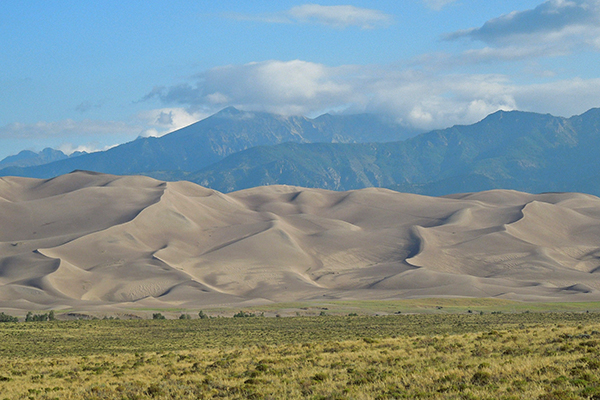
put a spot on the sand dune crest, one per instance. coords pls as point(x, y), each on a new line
point(87, 240)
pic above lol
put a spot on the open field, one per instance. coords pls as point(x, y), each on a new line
point(385, 307)
point(438, 356)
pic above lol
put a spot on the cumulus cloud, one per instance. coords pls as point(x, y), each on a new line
point(416, 98)
point(297, 87)
point(283, 87)
point(341, 16)
point(555, 27)
point(437, 4)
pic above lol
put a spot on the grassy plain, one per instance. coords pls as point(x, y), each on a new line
point(527, 355)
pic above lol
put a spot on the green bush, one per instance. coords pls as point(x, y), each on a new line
point(30, 317)
point(8, 318)
point(158, 316)
point(243, 314)
point(202, 315)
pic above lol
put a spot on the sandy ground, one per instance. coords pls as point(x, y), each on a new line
point(91, 241)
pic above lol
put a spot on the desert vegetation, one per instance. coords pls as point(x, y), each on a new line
point(439, 356)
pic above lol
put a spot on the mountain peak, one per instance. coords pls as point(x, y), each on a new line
point(228, 111)
point(27, 158)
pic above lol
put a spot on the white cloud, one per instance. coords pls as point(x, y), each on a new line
point(340, 16)
point(551, 97)
point(161, 121)
point(298, 87)
point(66, 127)
point(284, 87)
point(554, 28)
point(418, 98)
point(428, 101)
point(70, 148)
point(437, 4)
point(93, 135)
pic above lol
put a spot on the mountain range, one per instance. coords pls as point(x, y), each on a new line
point(214, 138)
point(509, 150)
point(233, 150)
point(28, 158)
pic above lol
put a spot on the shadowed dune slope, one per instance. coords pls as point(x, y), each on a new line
point(87, 240)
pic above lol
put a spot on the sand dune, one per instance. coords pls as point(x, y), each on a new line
point(87, 240)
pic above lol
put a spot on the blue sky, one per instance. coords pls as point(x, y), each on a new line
point(91, 74)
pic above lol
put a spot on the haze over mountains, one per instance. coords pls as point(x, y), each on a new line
point(234, 150)
point(91, 241)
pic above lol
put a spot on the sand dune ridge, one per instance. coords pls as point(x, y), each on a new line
point(92, 240)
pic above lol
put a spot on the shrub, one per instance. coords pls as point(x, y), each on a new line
point(154, 390)
point(481, 378)
point(244, 314)
point(320, 377)
point(158, 316)
point(8, 318)
point(202, 315)
point(30, 317)
point(185, 316)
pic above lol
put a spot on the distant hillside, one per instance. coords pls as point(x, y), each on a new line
point(511, 150)
point(212, 139)
point(28, 158)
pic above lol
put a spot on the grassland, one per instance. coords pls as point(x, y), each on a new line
point(525, 355)
point(419, 305)
point(378, 307)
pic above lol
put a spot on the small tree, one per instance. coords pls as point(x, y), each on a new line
point(29, 317)
point(185, 316)
point(244, 314)
point(202, 315)
point(51, 316)
point(158, 316)
point(8, 318)
point(40, 317)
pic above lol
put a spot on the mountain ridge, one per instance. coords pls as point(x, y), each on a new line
point(28, 158)
point(210, 140)
point(508, 149)
point(511, 150)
